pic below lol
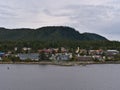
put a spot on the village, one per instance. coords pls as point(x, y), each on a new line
point(59, 55)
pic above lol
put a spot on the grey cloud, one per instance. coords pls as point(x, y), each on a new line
point(113, 28)
point(7, 14)
point(81, 11)
point(91, 18)
point(6, 7)
point(7, 11)
point(94, 17)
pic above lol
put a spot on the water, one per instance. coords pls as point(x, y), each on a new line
point(48, 77)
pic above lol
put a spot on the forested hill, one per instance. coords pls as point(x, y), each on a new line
point(55, 33)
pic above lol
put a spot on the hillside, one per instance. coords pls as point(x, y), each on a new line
point(55, 33)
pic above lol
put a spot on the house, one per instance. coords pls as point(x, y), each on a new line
point(31, 56)
point(15, 48)
point(96, 52)
point(56, 50)
point(2, 54)
point(84, 58)
point(112, 52)
point(63, 50)
point(61, 56)
point(26, 49)
point(83, 52)
point(98, 57)
point(45, 50)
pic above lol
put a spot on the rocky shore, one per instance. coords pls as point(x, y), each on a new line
point(64, 63)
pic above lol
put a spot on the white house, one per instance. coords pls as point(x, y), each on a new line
point(112, 52)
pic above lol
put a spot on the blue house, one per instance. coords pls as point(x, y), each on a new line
point(31, 56)
point(2, 54)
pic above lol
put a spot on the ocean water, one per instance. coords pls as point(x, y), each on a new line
point(50, 77)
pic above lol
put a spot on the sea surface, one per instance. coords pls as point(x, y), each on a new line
point(50, 77)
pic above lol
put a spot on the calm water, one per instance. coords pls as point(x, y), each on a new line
point(40, 77)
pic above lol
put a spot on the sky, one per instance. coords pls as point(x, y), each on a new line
point(94, 16)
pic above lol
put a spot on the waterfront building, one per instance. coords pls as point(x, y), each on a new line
point(31, 56)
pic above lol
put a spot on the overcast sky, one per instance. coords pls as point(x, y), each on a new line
point(95, 16)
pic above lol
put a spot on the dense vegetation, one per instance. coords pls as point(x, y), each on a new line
point(35, 45)
point(52, 37)
point(57, 33)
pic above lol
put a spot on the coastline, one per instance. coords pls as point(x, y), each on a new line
point(64, 63)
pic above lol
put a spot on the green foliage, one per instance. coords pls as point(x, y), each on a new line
point(50, 37)
point(44, 56)
point(14, 59)
point(28, 60)
point(53, 33)
point(6, 59)
point(11, 59)
point(117, 57)
point(71, 45)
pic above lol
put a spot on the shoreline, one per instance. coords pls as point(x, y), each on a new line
point(63, 63)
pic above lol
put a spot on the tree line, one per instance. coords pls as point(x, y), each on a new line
point(35, 45)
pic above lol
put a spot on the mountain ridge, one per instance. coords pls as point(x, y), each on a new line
point(55, 33)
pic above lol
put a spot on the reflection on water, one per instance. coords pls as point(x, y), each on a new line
point(47, 77)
